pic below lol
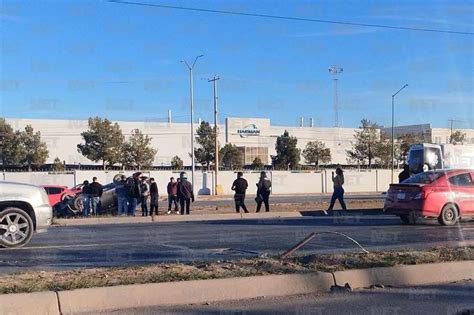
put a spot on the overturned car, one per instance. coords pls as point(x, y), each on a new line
point(71, 205)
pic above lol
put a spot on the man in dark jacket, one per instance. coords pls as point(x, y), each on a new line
point(133, 192)
point(264, 186)
point(86, 199)
point(240, 187)
point(153, 197)
point(185, 193)
point(121, 192)
point(172, 190)
point(405, 174)
point(95, 194)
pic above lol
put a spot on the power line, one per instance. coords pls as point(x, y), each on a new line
point(292, 18)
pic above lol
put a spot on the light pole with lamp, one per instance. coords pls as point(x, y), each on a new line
point(393, 122)
point(191, 96)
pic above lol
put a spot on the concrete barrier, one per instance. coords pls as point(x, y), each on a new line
point(37, 303)
point(284, 182)
point(188, 292)
point(407, 274)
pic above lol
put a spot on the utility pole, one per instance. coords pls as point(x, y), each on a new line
point(216, 144)
point(191, 96)
point(335, 70)
point(393, 134)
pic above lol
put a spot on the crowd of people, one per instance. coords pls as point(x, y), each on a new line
point(141, 190)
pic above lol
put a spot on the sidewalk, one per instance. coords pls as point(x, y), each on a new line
point(328, 195)
point(353, 213)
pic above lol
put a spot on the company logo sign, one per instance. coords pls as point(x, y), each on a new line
point(249, 130)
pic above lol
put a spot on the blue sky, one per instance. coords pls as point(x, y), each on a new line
point(75, 59)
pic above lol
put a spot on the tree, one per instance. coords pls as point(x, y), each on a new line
point(363, 149)
point(404, 142)
point(257, 164)
point(288, 155)
point(137, 151)
point(457, 137)
point(383, 151)
point(35, 151)
point(102, 142)
point(316, 152)
point(176, 162)
point(231, 157)
point(57, 166)
point(11, 150)
point(205, 153)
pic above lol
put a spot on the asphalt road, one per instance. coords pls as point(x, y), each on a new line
point(445, 299)
point(123, 244)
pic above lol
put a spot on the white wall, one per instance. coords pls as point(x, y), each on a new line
point(282, 182)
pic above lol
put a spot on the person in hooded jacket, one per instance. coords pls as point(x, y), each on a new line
point(185, 193)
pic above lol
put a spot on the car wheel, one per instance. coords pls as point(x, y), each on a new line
point(66, 196)
point(405, 218)
point(16, 227)
point(448, 215)
point(77, 204)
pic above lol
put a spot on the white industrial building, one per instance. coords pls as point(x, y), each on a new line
point(429, 134)
point(255, 136)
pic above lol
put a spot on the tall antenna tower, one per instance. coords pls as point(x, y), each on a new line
point(335, 70)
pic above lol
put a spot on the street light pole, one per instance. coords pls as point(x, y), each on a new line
point(191, 96)
point(393, 127)
point(216, 143)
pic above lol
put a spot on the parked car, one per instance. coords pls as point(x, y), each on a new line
point(447, 195)
point(24, 209)
point(58, 193)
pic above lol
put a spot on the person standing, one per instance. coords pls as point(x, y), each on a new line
point(405, 174)
point(338, 193)
point(172, 190)
point(133, 193)
point(96, 193)
point(121, 192)
point(240, 187)
point(144, 194)
point(154, 195)
point(85, 198)
point(264, 186)
point(185, 193)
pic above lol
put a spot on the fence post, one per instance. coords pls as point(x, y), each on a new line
point(376, 180)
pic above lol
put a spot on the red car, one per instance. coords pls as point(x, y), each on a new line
point(447, 195)
point(57, 193)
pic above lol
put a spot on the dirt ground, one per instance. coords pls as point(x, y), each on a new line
point(154, 273)
point(290, 207)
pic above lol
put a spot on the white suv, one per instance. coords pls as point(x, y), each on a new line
point(24, 209)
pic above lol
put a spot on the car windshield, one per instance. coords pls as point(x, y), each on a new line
point(424, 178)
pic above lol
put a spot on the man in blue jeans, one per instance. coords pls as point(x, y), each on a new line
point(85, 198)
point(95, 193)
point(133, 192)
point(121, 191)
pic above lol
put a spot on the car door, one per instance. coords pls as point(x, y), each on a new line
point(462, 189)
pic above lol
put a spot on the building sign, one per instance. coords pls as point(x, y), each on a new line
point(248, 130)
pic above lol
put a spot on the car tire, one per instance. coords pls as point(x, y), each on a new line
point(449, 215)
point(16, 227)
point(77, 204)
point(66, 195)
point(405, 218)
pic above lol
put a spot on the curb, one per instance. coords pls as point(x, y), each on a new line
point(29, 303)
point(188, 292)
point(405, 275)
point(201, 291)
